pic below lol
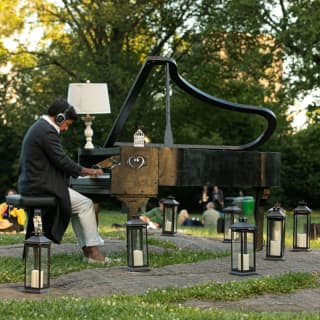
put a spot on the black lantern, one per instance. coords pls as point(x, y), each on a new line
point(275, 234)
point(301, 227)
point(243, 248)
point(37, 259)
point(231, 216)
point(137, 245)
point(169, 221)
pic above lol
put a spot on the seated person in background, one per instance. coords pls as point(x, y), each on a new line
point(210, 216)
point(11, 219)
point(154, 216)
point(204, 197)
point(183, 218)
point(217, 198)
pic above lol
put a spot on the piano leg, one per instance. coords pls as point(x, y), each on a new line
point(262, 194)
point(134, 204)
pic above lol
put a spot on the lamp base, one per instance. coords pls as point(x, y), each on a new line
point(88, 132)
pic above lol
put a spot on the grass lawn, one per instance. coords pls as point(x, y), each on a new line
point(159, 304)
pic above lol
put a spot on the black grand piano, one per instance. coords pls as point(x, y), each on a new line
point(134, 174)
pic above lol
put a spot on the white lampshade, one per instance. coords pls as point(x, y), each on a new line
point(89, 98)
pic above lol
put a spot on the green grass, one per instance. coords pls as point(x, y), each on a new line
point(234, 290)
point(166, 304)
point(156, 304)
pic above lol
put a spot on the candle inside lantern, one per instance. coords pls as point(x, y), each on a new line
point(35, 279)
point(246, 265)
point(275, 247)
point(302, 240)
point(137, 258)
point(168, 226)
point(229, 234)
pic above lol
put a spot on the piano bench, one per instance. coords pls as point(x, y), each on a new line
point(31, 202)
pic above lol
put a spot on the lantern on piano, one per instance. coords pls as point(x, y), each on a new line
point(37, 259)
point(301, 227)
point(169, 221)
point(89, 98)
point(275, 234)
point(243, 248)
point(231, 216)
point(138, 138)
point(137, 245)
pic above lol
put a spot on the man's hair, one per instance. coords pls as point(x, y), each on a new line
point(210, 205)
point(61, 105)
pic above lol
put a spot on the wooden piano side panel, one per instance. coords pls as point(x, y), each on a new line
point(270, 168)
point(169, 161)
point(229, 168)
point(137, 174)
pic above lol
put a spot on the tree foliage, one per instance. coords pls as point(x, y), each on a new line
point(231, 49)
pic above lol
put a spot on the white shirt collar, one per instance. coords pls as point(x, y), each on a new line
point(45, 117)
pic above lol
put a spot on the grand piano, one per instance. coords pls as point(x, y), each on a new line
point(134, 174)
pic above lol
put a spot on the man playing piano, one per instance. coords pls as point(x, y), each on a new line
point(43, 171)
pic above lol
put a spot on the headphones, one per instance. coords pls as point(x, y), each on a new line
point(60, 117)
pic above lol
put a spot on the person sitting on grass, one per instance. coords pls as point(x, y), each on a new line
point(210, 216)
point(183, 218)
point(12, 220)
point(154, 216)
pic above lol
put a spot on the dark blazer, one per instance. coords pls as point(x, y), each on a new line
point(44, 169)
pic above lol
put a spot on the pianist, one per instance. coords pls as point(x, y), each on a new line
point(43, 169)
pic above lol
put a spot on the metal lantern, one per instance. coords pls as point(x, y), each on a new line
point(169, 221)
point(138, 138)
point(243, 248)
point(137, 245)
point(37, 259)
point(301, 227)
point(275, 234)
point(231, 216)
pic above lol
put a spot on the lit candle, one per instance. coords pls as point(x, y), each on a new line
point(35, 279)
point(245, 262)
point(229, 234)
point(275, 248)
point(302, 240)
point(137, 258)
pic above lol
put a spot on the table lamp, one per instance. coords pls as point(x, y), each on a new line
point(89, 98)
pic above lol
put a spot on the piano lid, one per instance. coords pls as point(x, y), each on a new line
point(193, 91)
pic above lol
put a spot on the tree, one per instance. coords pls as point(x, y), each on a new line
point(228, 48)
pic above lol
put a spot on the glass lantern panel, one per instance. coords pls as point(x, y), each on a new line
point(227, 226)
point(301, 223)
point(168, 223)
point(301, 230)
point(137, 247)
point(275, 230)
point(243, 252)
point(37, 266)
point(175, 219)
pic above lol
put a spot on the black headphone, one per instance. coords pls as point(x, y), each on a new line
point(60, 117)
